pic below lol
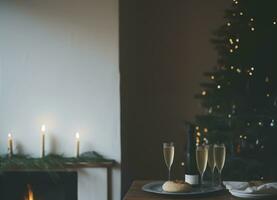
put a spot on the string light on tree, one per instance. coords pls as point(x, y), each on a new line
point(212, 77)
point(218, 86)
point(252, 29)
point(272, 123)
point(239, 70)
point(232, 67)
point(205, 130)
point(228, 24)
point(241, 13)
point(267, 95)
point(266, 79)
point(204, 93)
point(229, 115)
point(260, 123)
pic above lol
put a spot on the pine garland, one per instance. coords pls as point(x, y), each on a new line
point(51, 161)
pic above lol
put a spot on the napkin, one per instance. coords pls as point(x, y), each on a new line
point(247, 188)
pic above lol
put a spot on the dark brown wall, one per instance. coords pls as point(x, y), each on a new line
point(164, 50)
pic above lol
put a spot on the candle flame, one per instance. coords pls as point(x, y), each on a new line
point(9, 135)
point(43, 128)
point(77, 135)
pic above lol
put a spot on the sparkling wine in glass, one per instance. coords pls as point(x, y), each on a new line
point(168, 151)
point(211, 161)
point(219, 155)
point(201, 160)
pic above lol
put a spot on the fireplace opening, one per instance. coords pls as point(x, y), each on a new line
point(38, 186)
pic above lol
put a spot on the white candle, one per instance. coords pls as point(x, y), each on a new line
point(10, 145)
point(77, 145)
point(43, 130)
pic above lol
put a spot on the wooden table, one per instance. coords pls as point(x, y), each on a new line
point(135, 193)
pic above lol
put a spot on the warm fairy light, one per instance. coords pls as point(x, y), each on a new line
point(245, 137)
point(205, 130)
point(274, 22)
point(241, 13)
point(251, 19)
point(236, 47)
point(231, 41)
point(228, 24)
point(236, 2)
point(266, 79)
point(240, 136)
point(250, 73)
point(231, 50)
point(204, 92)
point(218, 106)
point(218, 86)
point(232, 67)
point(229, 115)
point(43, 128)
point(267, 95)
point(237, 40)
point(197, 141)
point(198, 134)
point(212, 77)
point(238, 70)
point(252, 29)
point(252, 68)
point(260, 123)
point(197, 128)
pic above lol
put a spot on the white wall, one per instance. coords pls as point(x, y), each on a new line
point(59, 67)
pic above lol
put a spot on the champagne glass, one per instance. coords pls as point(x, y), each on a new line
point(219, 156)
point(211, 161)
point(201, 160)
point(168, 150)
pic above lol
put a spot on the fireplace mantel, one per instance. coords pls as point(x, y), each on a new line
point(108, 165)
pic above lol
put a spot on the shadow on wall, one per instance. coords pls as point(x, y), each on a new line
point(164, 50)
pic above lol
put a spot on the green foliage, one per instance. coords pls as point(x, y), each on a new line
point(51, 161)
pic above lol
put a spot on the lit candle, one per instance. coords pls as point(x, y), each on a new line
point(43, 129)
point(10, 145)
point(77, 145)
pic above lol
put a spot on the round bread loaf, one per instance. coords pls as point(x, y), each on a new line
point(176, 186)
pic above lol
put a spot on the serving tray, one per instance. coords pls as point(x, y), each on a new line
point(156, 188)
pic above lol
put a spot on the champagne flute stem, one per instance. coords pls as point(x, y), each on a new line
point(212, 177)
point(201, 181)
point(169, 175)
point(220, 181)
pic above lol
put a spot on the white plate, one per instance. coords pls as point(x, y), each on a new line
point(250, 196)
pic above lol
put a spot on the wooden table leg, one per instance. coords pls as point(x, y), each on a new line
point(109, 183)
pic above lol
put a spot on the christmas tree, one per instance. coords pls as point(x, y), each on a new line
point(240, 97)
